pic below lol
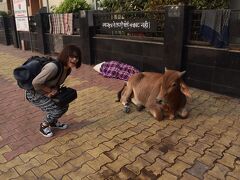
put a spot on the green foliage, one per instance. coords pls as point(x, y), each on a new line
point(199, 4)
point(3, 13)
point(134, 5)
point(151, 5)
point(110, 5)
point(154, 5)
point(215, 4)
point(123, 5)
point(71, 6)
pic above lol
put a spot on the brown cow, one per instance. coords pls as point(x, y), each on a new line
point(162, 94)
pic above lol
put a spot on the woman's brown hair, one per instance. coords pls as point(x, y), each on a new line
point(70, 51)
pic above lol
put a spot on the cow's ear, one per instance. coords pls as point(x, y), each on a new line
point(185, 89)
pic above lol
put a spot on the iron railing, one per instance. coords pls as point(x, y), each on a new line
point(195, 25)
point(32, 24)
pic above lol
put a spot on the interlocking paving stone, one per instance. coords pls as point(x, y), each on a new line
point(63, 158)
point(187, 176)
point(5, 149)
point(125, 173)
point(41, 170)
point(82, 172)
point(170, 156)
point(10, 164)
point(80, 160)
point(21, 169)
point(198, 169)
point(208, 158)
point(151, 155)
point(103, 173)
point(11, 173)
point(156, 167)
point(230, 178)
point(199, 147)
point(137, 165)
point(189, 157)
point(208, 176)
point(58, 173)
point(103, 142)
point(236, 171)
point(219, 171)
point(178, 168)
point(234, 150)
point(28, 175)
point(97, 163)
point(118, 164)
point(167, 175)
point(228, 160)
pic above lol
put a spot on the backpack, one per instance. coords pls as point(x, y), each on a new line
point(31, 68)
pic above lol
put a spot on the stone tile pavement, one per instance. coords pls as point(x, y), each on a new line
point(103, 142)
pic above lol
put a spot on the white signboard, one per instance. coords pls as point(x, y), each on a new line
point(21, 15)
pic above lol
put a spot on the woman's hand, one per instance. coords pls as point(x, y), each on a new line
point(52, 93)
point(49, 92)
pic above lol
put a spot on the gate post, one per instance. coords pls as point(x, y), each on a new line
point(40, 32)
point(174, 36)
point(6, 35)
point(86, 32)
point(234, 32)
point(14, 32)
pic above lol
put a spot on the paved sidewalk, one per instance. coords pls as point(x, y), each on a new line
point(103, 142)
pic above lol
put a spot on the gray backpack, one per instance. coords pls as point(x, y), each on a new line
point(31, 68)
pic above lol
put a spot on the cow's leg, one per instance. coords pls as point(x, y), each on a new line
point(157, 112)
point(119, 94)
point(171, 116)
point(140, 107)
point(125, 99)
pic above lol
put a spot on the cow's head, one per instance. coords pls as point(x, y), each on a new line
point(172, 85)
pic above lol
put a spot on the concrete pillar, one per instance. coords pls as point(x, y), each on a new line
point(174, 36)
point(234, 4)
point(40, 31)
point(14, 32)
point(234, 24)
point(86, 32)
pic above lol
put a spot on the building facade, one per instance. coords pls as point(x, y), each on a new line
point(5, 5)
point(35, 5)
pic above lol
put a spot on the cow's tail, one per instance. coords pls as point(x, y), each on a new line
point(119, 94)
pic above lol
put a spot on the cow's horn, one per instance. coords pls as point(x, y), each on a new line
point(165, 69)
point(182, 73)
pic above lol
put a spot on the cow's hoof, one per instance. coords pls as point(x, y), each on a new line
point(126, 109)
point(183, 114)
point(140, 108)
point(171, 117)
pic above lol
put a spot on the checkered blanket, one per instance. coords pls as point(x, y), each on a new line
point(55, 23)
point(50, 23)
point(115, 69)
point(68, 23)
point(61, 23)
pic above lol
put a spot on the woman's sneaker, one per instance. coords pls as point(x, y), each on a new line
point(45, 130)
point(59, 125)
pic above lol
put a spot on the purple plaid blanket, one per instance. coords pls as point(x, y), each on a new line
point(115, 69)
